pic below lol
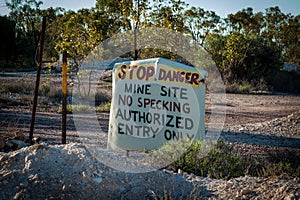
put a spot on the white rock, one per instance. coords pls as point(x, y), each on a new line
point(17, 195)
point(25, 184)
point(84, 175)
point(180, 171)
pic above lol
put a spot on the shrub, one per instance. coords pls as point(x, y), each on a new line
point(222, 162)
point(245, 88)
point(18, 86)
point(105, 107)
point(76, 108)
point(101, 98)
point(44, 88)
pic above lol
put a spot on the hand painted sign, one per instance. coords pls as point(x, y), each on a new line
point(155, 101)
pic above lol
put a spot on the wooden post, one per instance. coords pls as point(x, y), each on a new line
point(38, 75)
point(64, 99)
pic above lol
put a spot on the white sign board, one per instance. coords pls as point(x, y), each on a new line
point(155, 101)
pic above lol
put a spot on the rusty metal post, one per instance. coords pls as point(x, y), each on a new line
point(64, 99)
point(38, 75)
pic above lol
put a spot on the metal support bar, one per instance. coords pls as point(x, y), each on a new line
point(38, 75)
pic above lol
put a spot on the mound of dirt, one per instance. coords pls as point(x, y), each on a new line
point(46, 171)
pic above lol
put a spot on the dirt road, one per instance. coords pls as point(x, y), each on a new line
point(241, 110)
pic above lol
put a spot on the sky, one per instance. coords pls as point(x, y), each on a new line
point(221, 7)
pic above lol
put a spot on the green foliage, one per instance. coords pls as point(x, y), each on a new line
point(244, 58)
point(245, 88)
point(222, 162)
point(168, 14)
point(240, 88)
point(105, 107)
point(86, 108)
point(75, 108)
point(170, 152)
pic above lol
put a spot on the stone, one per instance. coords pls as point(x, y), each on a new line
point(84, 175)
point(33, 177)
point(180, 172)
point(7, 175)
point(36, 140)
point(24, 184)
point(290, 197)
point(18, 195)
point(245, 192)
point(242, 129)
point(98, 179)
point(19, 143)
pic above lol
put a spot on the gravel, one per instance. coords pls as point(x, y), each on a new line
point(288, 126)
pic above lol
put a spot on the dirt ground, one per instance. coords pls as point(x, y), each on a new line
point(244, 108)
point(241, 110)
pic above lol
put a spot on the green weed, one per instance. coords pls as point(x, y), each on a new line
point(104, 107)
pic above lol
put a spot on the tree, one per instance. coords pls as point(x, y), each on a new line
point(26, 15)
point(72, 35)
point(199, 23)
point(51, 14)
point(273, 24)
point(246, 22)
point(291, 40)
point(168, 14)
point(244, 58)
point(128, 15)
